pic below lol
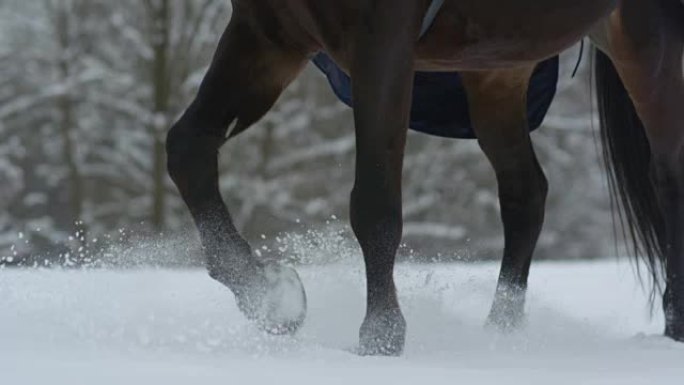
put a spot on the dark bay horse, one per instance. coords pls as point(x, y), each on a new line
point(495, 45)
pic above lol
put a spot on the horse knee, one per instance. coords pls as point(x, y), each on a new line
point(177, 150)
point(191, 151)
point(376, 219)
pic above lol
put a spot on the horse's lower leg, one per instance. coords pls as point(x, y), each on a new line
point(664, 121)
point(504, 137)
point(377, 223)
point(646, 46)
point(668, 176)
point(667, 173)
point(382, 70)
point(244, 80)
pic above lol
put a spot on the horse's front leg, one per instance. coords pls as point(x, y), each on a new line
point(245, 79)
point(382, 72)
point(499, 113)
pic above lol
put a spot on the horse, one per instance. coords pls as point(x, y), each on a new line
point(495, 46)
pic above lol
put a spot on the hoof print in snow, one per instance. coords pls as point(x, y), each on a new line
point(278, 305)
point(383, 335)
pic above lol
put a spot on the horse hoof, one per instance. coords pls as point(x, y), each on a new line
point(508, 311)
point(675, 330)
point(673, 305)
point(383, 335)
point(277, 305)
point(506, 320)
point(678, 337)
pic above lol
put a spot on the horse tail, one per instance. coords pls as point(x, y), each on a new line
point(627, 159)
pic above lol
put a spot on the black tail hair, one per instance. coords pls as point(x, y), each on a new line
point(627, 158)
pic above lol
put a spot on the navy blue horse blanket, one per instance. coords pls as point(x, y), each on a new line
point(440, 104)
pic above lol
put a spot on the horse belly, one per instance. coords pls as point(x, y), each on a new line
point(489, 34)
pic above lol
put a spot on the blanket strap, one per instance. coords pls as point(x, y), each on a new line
point(431, 15)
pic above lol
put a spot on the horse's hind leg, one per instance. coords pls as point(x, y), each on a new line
point(246, 77)
point(645, 41)
point(499, 113)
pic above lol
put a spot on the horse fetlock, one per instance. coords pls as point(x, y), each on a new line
point(675, 330)
point(383, 334)
point(674, 312)
point(274, 299)
point(674, 324)
point(229, 259)
point(508, 310)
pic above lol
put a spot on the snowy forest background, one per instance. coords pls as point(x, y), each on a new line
point(88, 89)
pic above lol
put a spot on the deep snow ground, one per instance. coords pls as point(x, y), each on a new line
point(588, 324)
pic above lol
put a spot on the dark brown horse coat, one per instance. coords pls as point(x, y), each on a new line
point(496, 45)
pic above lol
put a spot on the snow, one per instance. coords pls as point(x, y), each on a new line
point(588, 324)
